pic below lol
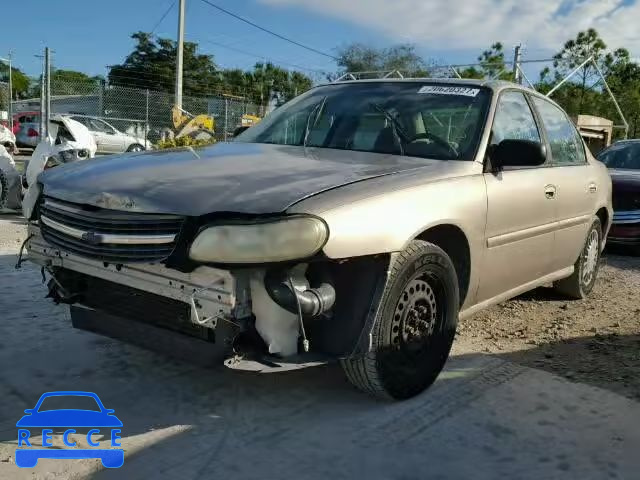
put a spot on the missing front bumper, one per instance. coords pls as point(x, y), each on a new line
point(207, 294)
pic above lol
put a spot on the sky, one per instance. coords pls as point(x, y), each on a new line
point(89, 35)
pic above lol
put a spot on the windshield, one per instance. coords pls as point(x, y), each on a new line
point(622, 155)
point(420, 119)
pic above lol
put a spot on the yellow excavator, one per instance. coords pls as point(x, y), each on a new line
point(198, 127)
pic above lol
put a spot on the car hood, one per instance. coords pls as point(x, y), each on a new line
point(69, 418)
point(236, 177)
point(625, 180)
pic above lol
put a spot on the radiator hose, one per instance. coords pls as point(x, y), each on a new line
point(313, 301)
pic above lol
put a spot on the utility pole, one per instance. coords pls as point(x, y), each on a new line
point(517, 57)
point(179, 54)
point(42, 83)
point(47, 103)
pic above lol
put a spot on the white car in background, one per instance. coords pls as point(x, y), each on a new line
point(108, 138)
point(68, 141)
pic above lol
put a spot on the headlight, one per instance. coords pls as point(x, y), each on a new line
point(275, 241)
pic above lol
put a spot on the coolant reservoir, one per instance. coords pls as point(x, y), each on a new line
point(277, 326)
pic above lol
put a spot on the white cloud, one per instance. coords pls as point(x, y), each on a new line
point(463, 24)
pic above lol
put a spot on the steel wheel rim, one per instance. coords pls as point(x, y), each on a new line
point(415, 315)
point(591, 255)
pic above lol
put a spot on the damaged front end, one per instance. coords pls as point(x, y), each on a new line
point(157, 280)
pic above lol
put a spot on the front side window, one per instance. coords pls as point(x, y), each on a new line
point(566, 144)
point(419, 119)
point(513, 120)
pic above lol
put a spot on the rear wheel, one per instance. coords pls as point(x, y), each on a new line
point(415, 326)
point(583, 279)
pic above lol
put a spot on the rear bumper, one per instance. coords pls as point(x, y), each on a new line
point(625, 229)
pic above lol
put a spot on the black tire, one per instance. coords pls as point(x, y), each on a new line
point(136, 147)
point(414, 327)
point(579, 285)
point(4, 189)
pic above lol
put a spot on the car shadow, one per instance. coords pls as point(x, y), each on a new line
point(607, 361)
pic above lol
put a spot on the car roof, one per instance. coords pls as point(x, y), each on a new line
point(495, 85)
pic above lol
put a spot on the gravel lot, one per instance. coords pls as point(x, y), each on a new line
point(517, 399)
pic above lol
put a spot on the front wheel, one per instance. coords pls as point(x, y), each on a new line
point(136, 147)
point(4, 189)
point(583, 279)
point(414, 327)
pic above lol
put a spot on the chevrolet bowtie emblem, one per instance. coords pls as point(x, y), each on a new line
point(92, 238)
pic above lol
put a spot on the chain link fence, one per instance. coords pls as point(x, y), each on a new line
point(4, 103)
point(145, 114)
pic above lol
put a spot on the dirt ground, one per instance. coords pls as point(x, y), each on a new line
point(595, 341)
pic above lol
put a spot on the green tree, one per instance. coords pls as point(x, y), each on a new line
point(71, 82)
point(270, 83)
point(357, 57)
point(624, 80)
point(491, 65)
point(151, 65)
point(20, 82)
point(584, 89)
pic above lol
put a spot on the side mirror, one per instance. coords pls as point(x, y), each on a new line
point(29, 411)
point(517, 153)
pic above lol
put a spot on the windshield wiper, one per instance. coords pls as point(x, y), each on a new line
point(399, 132)
point(315, 113)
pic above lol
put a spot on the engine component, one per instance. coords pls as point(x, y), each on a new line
point(277, 326)
point(313, 301)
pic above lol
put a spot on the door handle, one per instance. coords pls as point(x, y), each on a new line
point(550, 192)
point(593, 188)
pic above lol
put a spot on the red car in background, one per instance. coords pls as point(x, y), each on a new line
point(28, 128)
point(623, 161)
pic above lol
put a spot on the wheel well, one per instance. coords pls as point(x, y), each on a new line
point(454, 242)
point(603, 215)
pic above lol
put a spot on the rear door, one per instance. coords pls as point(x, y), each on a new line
point(576, 183)
point(521, 208)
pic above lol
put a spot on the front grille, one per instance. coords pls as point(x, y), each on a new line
point(108, 235)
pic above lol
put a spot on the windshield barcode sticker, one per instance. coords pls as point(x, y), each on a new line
point(445, 90)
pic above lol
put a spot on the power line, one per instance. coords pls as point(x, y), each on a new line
point(265, 57)
point(270, 32)
point(164, 15)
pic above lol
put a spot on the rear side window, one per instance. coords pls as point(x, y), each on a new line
point(566, 144)
point(513, 120)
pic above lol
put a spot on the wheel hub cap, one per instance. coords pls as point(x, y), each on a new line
point(415, 314)
point(591, 255)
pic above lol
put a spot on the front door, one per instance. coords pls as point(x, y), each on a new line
point(521, 208)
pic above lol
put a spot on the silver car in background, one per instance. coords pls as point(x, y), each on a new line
point(109, 139)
